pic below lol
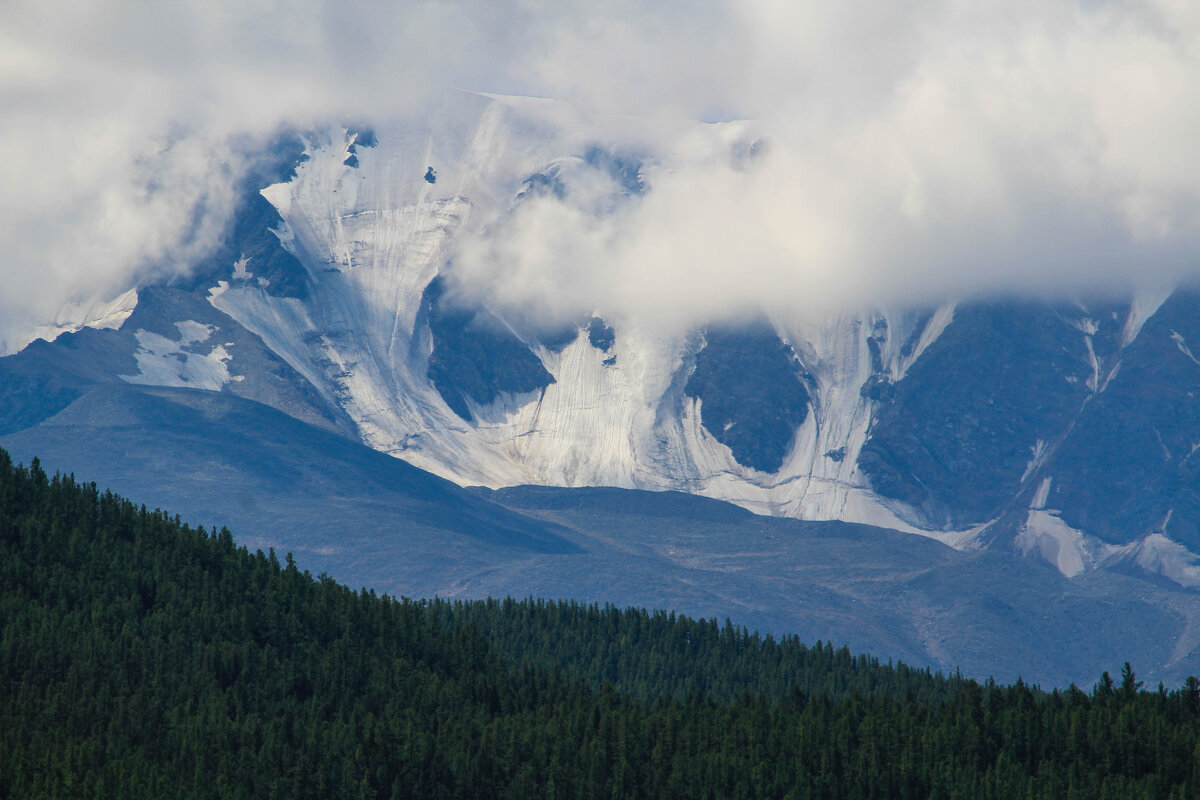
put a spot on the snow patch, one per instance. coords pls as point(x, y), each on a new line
point(166, 362)
point(1035, 462)
point(1144, 306)
point(1042, 494)
point(1056, 541)
point(101, 314)
point(1112, 373)
point(240, 273)
point(1071, 551)
point(1093, 382)
point(1159, 555)
point(934, 328)
point(1181, 343)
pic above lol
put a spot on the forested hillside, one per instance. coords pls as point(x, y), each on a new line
point(652, 655)
point(141, 657)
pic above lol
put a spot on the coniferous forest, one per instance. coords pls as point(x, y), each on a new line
point(143, 657)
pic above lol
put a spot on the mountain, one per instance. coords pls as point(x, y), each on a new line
point(301, 382)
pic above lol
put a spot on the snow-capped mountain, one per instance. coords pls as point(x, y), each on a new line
point(771, 414)
point(1063, 430)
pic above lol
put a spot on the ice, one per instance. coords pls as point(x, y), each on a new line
point(1040, 450)
point(1072, 551)
point(240, 271)
point(937, 324)
point(1145, 303)
point(166, 362)
point(1043, 491)
point(1158, 554)
point(373, 237)
point(102, 314)
point(1055, 540)
point(1181, 343)
point(1093, 382)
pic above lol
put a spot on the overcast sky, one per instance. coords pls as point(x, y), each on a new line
point(917, 149)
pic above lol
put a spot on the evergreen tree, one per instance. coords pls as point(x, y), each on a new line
point(142, 657)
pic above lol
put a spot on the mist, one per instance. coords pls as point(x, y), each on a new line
point(909, 153)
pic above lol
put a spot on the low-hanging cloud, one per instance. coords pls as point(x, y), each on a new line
point(125, 123)
point(915, 150)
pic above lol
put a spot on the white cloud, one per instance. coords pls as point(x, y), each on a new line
point(917, 151)
point(916, 148)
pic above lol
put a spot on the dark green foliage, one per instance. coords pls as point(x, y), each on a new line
point(140, 657)
point(665, 655)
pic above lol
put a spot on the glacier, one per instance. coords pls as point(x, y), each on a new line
point(97, 313)
point(371, 219)
point(374, 235)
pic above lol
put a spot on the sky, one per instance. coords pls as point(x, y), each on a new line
point(916, 150)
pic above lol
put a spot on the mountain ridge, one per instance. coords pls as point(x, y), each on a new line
point(1013, 430)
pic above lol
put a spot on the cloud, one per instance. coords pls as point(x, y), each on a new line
point(916, 149)
point(125, 123)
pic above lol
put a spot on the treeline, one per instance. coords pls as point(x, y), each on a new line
point(141, 657)
point(651, 655)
